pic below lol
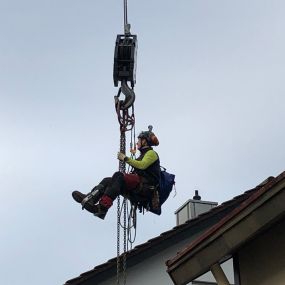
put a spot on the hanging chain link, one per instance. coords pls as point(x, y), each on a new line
point(122, 168)
point(125, 242)
point(126, 123)
point(118, 240)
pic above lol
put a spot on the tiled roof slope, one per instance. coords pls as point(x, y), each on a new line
point(152, 246)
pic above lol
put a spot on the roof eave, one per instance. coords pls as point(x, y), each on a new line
point(224, 240)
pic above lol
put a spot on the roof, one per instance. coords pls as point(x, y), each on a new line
point(254, 214)
point(166, 239)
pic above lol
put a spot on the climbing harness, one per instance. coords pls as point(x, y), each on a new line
point(124, 71)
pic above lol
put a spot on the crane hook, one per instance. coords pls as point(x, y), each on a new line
point(129, 96)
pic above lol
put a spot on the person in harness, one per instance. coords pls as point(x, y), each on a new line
point(140, 186)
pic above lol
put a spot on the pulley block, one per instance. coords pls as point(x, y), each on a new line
point(125, 58)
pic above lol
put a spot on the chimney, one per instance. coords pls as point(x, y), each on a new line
point(193, 208)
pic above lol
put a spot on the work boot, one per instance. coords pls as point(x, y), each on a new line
point(86, 200)
point(100, 211)
point(78, 196)
point(92, 197)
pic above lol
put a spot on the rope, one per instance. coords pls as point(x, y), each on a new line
point(127, 26)
point(132, 217)
point(132, 223)
point(125, 13)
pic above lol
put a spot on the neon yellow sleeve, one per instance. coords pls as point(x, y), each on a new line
point(149, 158)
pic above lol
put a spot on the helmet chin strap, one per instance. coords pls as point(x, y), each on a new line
point(143, 146)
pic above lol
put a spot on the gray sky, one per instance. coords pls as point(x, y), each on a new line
point(210, 79)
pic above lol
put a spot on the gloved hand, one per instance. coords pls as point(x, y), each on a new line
point(122, 156)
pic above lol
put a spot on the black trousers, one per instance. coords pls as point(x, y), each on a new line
point(116, 185)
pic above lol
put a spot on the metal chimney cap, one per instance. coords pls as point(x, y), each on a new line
point(196, 196)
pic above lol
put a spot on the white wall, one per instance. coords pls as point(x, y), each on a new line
point(153, 269)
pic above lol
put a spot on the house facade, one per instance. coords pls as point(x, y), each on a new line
point(253, 235)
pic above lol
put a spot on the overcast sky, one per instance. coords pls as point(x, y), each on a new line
point(210, 79)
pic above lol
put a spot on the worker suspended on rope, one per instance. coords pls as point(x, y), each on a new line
point(140, 186)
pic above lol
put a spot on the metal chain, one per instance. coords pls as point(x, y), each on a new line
point(122, 168)
point(118, 240)
point(125, 242)
point(127, 123)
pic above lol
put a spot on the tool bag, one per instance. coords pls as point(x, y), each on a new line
point(167, 181)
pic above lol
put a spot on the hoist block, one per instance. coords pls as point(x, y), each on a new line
point(125, 58)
